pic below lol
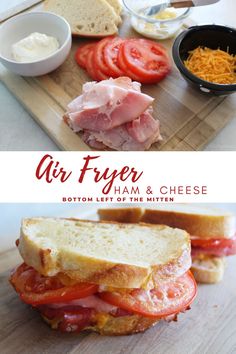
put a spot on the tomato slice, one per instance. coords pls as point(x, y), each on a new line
point(93, 71)
point(169, 298)
point(99, 61)
point(82, 53)
point(111, 51)
point(146, 58)
point(100, 75)
point(216, 247)
point(36, 289)
point(121, 63)
point(90, 65)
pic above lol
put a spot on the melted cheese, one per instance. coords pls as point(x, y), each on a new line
point(101, 319)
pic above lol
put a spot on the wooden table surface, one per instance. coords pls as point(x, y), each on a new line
point(189, 120)
point(16, 124)
point(208, 328)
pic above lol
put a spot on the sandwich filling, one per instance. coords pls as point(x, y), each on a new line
point(72, 308)
point(214, 247)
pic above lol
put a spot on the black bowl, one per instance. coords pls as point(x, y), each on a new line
point(211, 36)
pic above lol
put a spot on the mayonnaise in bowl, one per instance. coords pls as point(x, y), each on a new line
point(36, 46)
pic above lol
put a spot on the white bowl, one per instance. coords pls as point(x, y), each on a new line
point(22, 26)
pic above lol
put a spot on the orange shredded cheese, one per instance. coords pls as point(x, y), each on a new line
point(214, 65)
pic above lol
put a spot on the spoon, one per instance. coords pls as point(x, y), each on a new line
point(178, 4)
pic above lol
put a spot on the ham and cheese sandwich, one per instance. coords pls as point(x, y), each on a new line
point(212, 233)
point(112, 278)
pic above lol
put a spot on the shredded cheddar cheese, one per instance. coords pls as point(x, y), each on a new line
point(213, 65)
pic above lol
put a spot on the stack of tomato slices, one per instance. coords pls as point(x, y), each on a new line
point(215, 247)
point(57, 302)
point(139, 59)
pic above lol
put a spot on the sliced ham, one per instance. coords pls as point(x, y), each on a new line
point(123, 82)
point(90, 140)
point(144, 128)
point(136, 136)
point(114, 114)
point(106, 105)
point(93, 302)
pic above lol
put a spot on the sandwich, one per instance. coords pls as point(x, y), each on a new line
point(107, 277)
point(212, 233)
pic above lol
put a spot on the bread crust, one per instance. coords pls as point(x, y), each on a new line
point(208, 269)
point(118, 326)
point(129, 215)
point(80, 268)
point(202, 226)
point(95, 36)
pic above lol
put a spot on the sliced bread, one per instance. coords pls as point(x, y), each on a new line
point(127, 215)
point(208, 269)
point(86, 17)
point(197, 221)
point(111, 254)
point(109, 325)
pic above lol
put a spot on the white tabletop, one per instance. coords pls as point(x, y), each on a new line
point(18, 131)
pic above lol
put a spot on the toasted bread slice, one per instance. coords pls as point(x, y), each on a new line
point(110, 254)
point(200, 222)
point(86, 17)
point(208, 269)
point(127, 215)
point(108, 325)
point(197, 221)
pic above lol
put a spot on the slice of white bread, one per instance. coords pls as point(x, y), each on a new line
point(197, 221)
point(127, 215)
point(110, 254)
point(201, 222)
point(115, 326)
point(86, 17)
point(208, 269)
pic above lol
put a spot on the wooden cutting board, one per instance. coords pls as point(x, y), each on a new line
point(189, 120)
point(208, 328)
